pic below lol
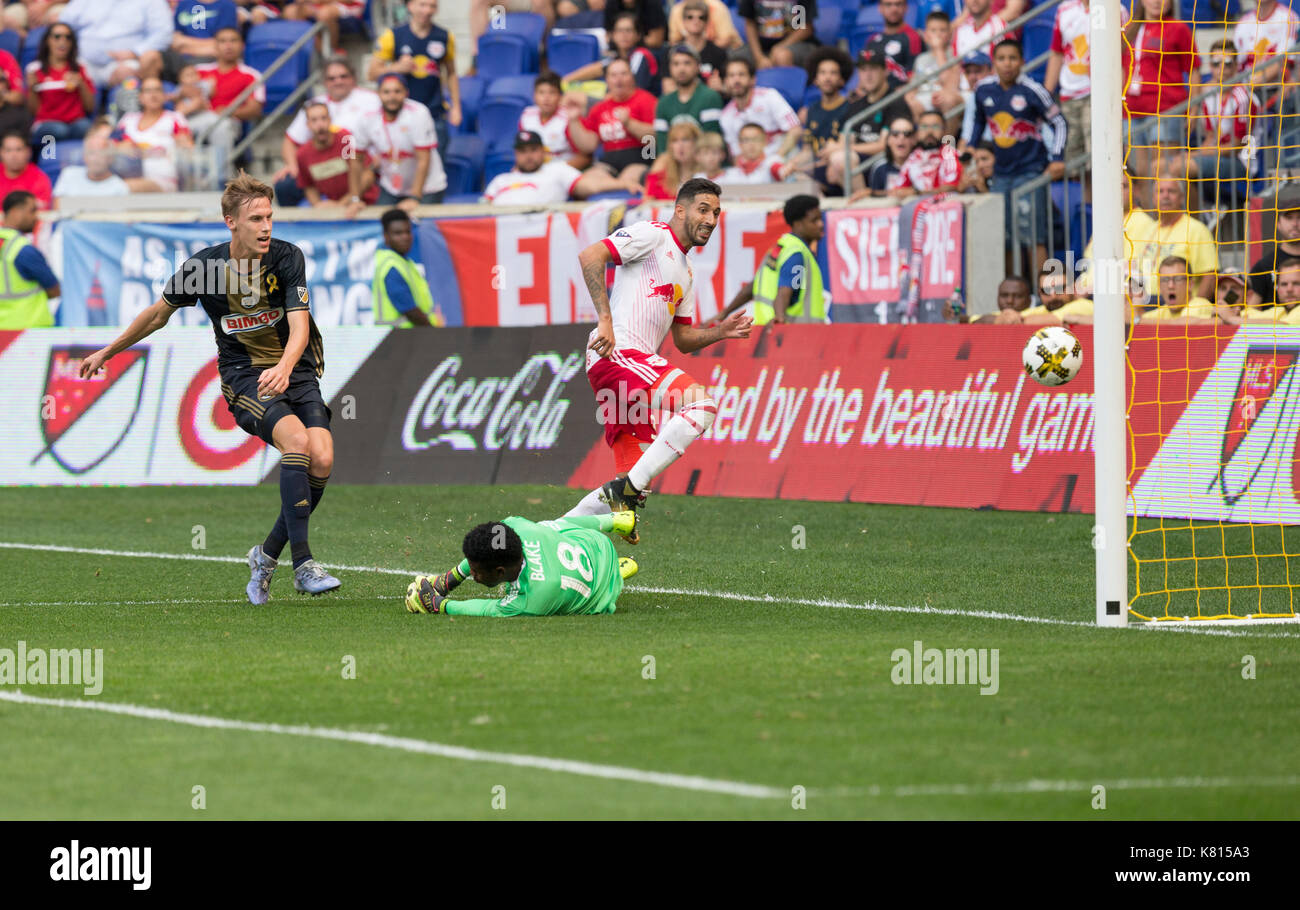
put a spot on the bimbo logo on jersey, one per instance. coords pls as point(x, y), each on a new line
point(491, 413)
point(234, 323)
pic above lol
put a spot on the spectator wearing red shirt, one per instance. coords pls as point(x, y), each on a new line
point(329, 168)
point(60, 92)
point(1160, 72)
point(226, 80)
point(9, 66)
point(17, 171)
point(619, 125)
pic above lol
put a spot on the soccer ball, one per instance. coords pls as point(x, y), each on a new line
point(1053, 356)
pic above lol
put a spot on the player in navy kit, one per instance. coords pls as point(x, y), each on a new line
point(270, 356)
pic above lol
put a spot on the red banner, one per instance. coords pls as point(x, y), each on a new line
point(918, 414)
point(523, 269)
point(865, 259)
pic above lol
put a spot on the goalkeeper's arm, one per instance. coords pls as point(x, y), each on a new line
point(144, 325)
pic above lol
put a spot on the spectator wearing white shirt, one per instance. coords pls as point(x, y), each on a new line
point(349, 107)
point(93, 178)
point(154, 133)
point(548, 119)
point(976, 28)
point(403, 144)
point(121, 39)
point(756, 104)
point(754, 165)
point(537, 181)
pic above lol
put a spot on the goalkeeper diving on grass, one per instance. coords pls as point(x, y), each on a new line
point(561, 567)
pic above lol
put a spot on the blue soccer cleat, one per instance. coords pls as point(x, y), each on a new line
point(262, 568)
point(311, 578)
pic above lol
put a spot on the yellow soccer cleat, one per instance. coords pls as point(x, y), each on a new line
point(627, 567)
point(625, 526)
point(421, 597)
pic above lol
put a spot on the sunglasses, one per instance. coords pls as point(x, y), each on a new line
point(902, 132)
point(700, 16)
point(60, 36)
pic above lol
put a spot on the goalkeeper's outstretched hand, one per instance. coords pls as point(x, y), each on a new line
point(421, 597)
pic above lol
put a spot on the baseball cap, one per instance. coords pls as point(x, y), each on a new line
point(687, 50)
point(976, 58)
point(1229, 274)
point(525, 138)
point(872, 58)
point(1288, 197)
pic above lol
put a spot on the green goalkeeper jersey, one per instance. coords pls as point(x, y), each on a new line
point(570, 566)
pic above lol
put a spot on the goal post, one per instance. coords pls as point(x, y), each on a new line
point(1110, 532)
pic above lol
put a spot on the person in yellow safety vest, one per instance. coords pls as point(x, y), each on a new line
point(400, 294)
point(27, 284)
point(788, 286)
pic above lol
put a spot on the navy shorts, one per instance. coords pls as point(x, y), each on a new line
point(258, 417)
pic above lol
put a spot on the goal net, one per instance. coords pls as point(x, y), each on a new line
point(1212, 342)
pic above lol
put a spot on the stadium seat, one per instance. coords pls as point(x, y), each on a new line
point(464, 164)
point(498, 120)
point(922, 9)
point(529, 26)
point(520, 87)
point(613, 194)
point(739, 22)
point(827, 24)
point(472, 90)
point(12, 42)
point(566, 53)
point(869, 22)
point(498, 163)
point(462, 199)
point(790, 81)
point(1217, 13)
point(500, 54)
point(265, 43)
point(1036, 36)
point(31, 45)
point(66, 152)
point(1080, 228)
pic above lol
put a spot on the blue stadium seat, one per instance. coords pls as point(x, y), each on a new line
point(520, 87)
point(869, 22)
point(265, 43)
point(31, 45)
point(827, 24)
point(739, 23)
point(498, 163)
point(529, 26)
point(12, 42)
point(66, 152)
point(500, 54)
point(462, 199)
point(498, 120)
point(472, 90)
point(464, 164)
point(613, 194)
point(1037, 39)
point(923, 8)
point(1217, 13)
point(1080, 227)
point(790, 81)
point(566, 53)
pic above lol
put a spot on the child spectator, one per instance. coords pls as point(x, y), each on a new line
point(424, 54)
point(710, 153)
point(547, 119)
point(754, 165)
point(942, 92)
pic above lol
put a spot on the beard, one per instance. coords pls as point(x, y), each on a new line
point(929, 144)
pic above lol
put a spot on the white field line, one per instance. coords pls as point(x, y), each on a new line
point(1065, 786)
point(869, 606)
point(420, 746)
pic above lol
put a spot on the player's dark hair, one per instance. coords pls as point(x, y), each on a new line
point(391, 217)
point(15, 134)
point(340, 60)
point(834, 54)
point(738, 58)
point(15, 199)
point(493, 544)
point(938, 14)
point(306, 108)
point(987, 146)
point(1176, 261)
point(548, 78)
point(925, 114)
point(43, 49)
point(694, 187)
point(1010, 42)
point(1022, 281)
point(797, 208)
point(1286, 262)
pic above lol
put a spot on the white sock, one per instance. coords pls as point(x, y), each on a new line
point(590, 505)
point(686, 426)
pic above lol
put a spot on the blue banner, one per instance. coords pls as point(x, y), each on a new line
point(113, 271)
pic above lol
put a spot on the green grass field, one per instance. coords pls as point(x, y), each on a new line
point(775, 694)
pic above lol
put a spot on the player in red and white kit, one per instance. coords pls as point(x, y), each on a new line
point(653, 292)
point(931, 170)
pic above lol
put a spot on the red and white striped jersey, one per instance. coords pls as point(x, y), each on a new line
point(160, 137)
point(393, 145)
point(1257, 38)
point(1230, 115)
point(1070, 39)
point(554, 132)
point(968, 37)
point(930, 169)
point(653, 286)
point(768, 109)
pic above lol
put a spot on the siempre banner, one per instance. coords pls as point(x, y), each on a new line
point(516, 270)
point(155, 416)
point(112, 271)
point(479, 405)
point(866, 261)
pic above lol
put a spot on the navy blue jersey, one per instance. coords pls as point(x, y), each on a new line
point(424, 81)
point(1024, 122)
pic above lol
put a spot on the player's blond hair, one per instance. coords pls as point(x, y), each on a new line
point(242, 189)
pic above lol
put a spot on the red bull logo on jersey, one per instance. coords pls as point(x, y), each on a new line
point(670, 294)
point(234, 323)
point(1007, 130)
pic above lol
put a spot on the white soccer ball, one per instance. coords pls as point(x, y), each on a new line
point(1053, 356)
